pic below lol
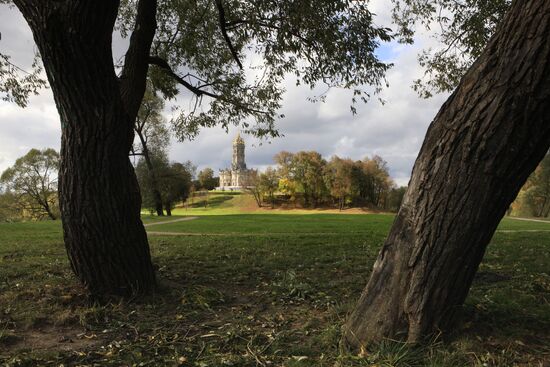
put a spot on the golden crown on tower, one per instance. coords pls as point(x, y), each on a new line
point(238, 139)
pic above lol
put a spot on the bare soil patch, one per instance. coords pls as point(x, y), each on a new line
point(50, 338)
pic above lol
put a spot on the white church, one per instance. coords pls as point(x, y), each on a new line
point(238, 176)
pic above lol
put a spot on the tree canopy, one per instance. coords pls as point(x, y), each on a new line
point(306, 175)
point(172, 179)
point(233, 56)
point(207, 180)
point(32, 180)
point(461, 28)
point(17, 84)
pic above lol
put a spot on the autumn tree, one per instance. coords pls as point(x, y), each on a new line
point(382, 182)
point(365, 182)
point(253, 187)
point(480, 149)
point(287, 186)
point(372, 181)
point(339, 180)
point(196, 47)
point(268, 183)
point(306, 170)
point(32, 181)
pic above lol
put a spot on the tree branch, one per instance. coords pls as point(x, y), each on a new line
point(161, 63)
point(266, 23)
point(197, 90)
point(223, 28)
point(134, 74)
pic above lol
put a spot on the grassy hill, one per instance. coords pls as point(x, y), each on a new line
point(218, 202)
point(243, 289)
point(235, 202)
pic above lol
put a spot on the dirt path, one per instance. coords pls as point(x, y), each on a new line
point(162, 233)
point(169, 221)
point(526, 230)
point(307, 234)
point(257, 234)
point(522, 230)
point(157, 233)
point(530, 220)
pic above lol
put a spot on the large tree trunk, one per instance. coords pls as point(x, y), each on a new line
point(480, 149)
point(99, 195)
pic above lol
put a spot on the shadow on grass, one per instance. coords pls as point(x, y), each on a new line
point(213, 201)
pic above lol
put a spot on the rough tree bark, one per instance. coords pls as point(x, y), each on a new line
point(480, 149)
point(99, 196)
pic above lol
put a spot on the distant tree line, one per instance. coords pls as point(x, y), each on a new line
point(28, 189)
point(306, 179)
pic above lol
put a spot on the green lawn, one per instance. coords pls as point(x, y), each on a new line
point(261, 290)
point(267, 224)
point(517, 224)
point(288, 223)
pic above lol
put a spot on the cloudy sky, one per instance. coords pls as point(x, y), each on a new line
point(394, 130)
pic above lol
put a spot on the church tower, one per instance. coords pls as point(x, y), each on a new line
point(237, 163)
point(237, 177)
